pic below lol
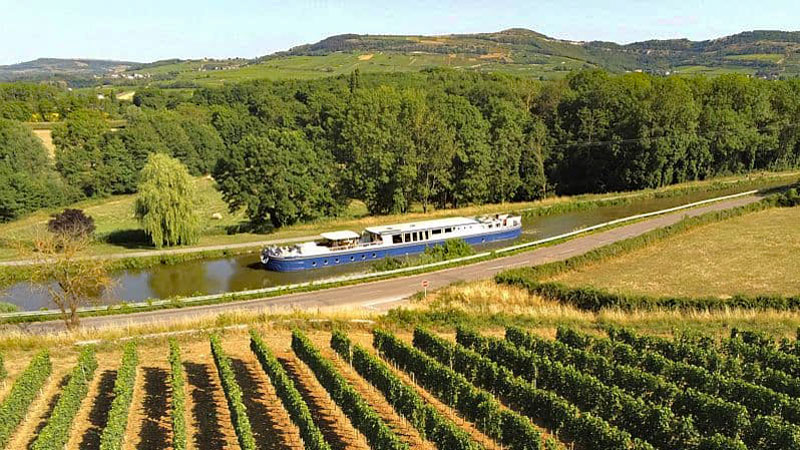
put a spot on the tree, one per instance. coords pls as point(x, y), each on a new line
point(471, 163)
point(70, 279)
point(79, 154)
point(278, 178)
point(166, 202)
point(73, 222)
point(507, 138)
point(27, 182)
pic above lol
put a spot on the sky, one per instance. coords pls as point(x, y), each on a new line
point(147, 30)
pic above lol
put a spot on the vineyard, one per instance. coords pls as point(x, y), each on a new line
point(615, 389)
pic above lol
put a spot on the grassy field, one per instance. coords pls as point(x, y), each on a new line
point(308, 67)
point(712, 71)
point(119, 232)
point(771, 57)
point(752, 254)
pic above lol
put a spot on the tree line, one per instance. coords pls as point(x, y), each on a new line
point(295, 150)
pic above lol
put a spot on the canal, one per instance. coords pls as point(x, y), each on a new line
point(212, 276)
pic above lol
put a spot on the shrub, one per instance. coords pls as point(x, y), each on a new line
point(71, 222)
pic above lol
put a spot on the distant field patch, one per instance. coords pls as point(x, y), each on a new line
point(771, 57)
point(366, 57)
point(46, 137)
point(753, 254)
point(127, 96)
point(713, 71)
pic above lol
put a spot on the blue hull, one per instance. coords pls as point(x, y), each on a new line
point(361, 255)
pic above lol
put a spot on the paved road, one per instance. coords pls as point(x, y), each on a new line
point(383, 294)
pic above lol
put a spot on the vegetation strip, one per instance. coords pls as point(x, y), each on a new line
point(361, 414)
point(767, 431)
point(23, 392)
point(3, 372)
point(428, 421)
point(710, 414)
point(113, 435)
point(233, 393)
point(34, 316)
point(56, 433)
point(178, 390)
point(701, 351)
point(290, 397)
point(456, 389)
point(593, 299)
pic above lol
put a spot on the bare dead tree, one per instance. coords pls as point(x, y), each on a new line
point(64, 271)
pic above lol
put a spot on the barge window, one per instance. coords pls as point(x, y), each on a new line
point(397, 239)
point(407, 237)
point(436, 231)
point(448, 230)
point(414, 236)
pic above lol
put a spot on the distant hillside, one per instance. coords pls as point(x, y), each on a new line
point(522, 52)
point(44, 68)
point(768, 53)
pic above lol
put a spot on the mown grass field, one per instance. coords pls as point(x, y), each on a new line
point(753, 254)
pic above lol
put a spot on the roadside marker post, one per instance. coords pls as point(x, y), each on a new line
point(425, 288)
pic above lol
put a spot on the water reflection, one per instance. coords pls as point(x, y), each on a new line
point(245, 272)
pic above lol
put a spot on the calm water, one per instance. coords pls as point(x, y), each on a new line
point(244, 272)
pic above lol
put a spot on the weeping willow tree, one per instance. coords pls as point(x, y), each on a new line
point(166, 203)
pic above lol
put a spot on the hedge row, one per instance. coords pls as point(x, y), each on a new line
point(56, 433)
point(586, 430)
point(114, 432)
point(23, 392)
point(289, 395)
point(709, 414)
point(589, 298)
point(233, 394)
point(767, 431)
point(361, 415)
point(178, 387)
point(431, 424)
point(3, 373)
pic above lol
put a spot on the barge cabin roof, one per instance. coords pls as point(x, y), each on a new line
point(424, 225)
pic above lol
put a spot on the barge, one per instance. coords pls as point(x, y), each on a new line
point(346, 247)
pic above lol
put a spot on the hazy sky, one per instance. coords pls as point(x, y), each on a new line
point(147, 30)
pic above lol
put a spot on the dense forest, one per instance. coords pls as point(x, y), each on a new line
point(295, 150)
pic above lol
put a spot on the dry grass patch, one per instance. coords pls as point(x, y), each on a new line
point(753, 254)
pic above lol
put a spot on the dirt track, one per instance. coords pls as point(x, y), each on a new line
point(381, 295)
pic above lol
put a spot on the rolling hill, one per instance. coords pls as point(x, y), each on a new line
point(44, 68)
point(522, 52)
